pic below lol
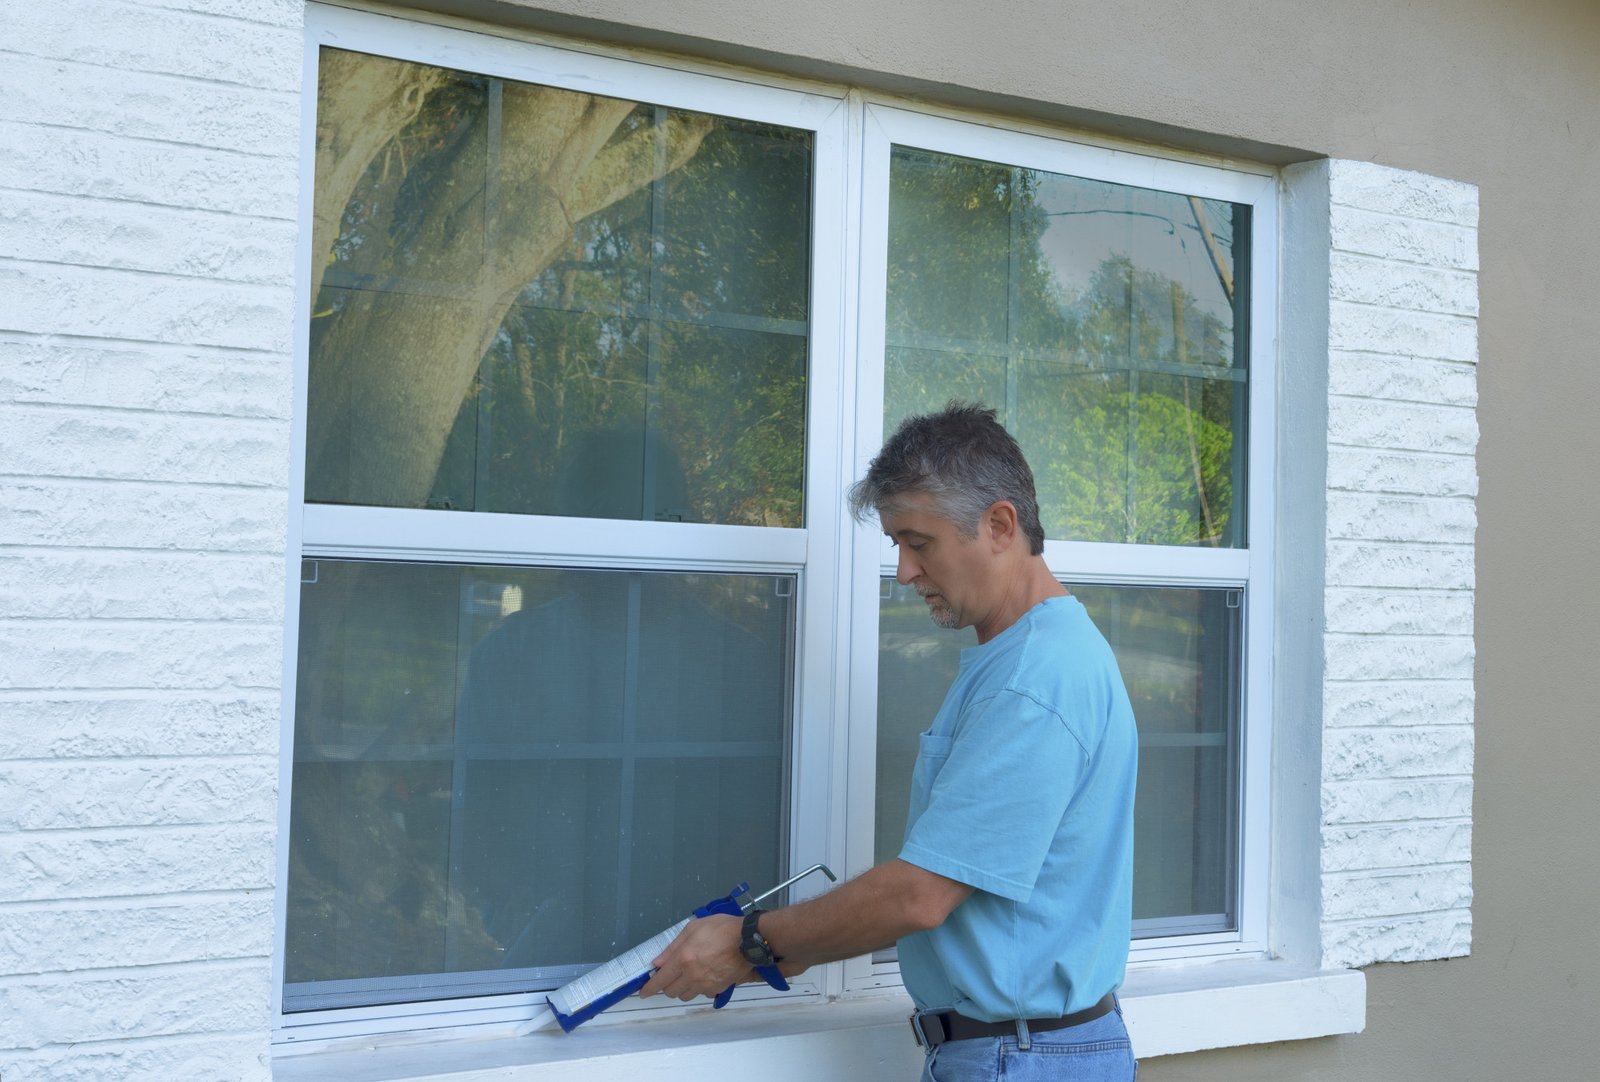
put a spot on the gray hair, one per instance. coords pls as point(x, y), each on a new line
point(961, 457)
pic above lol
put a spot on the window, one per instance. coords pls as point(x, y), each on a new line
point(1108, 306)
point(582, 636)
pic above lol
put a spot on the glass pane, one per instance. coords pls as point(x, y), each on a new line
point(503, 273)
point(1104, 322)
point(1178, 650)
point(504, 774)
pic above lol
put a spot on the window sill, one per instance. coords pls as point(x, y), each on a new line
point(1170, 1009)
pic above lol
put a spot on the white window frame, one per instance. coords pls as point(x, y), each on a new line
point(1249, 568)
point(838, 562)
point(344, 532)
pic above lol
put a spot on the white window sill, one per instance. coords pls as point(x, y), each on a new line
point(1170, 1009)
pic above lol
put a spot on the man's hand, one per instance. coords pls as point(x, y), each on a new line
point(702, 961)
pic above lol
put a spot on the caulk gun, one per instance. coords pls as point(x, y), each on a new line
point(609, 983)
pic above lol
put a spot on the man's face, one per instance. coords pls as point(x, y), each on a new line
point(950, 571)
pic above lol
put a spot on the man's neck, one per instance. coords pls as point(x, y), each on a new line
point(1032, 584)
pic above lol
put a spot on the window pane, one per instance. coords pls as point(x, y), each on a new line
point(535, 300)
point(1178, 652)
point(503, 775)
point(1104, 322)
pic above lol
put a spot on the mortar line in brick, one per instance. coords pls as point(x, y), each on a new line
point(94, 695)
point(144, 972)
point(140, 273)
point(145, 345)
point(1399, 871)
point(22, 405)
point(1435, 820)
point(1378, 922)
point(223, 217)
point(141, 1041)
point(132, 902)
point(287, 96)
point(1462, 497)
point(128, 550)
point(40, 125)
point(141, 759)
point(1342, 396)
point(1428, 546)
point(135, 833)
point(129, 622)
point(1406, 310)
point(1403, 217)
point(1454, 456)
point(143, 482)
point(152, 272)
point(184, 10)
point(1385, 260)
point(1398, 261)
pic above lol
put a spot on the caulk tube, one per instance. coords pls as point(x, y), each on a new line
point(611, 982)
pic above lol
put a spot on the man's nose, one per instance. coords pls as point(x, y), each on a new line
point(907, 568)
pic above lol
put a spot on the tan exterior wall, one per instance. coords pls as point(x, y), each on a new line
point(1506, 96)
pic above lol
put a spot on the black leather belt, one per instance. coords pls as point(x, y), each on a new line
point(936, 1027)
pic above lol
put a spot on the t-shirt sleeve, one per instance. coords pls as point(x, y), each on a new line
point(998, 799)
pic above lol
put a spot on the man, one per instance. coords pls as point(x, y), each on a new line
point(1011, 897)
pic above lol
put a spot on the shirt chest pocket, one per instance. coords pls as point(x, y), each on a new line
point(932, 751)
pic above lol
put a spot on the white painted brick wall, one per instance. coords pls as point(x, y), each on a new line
point(149, 185)
point(1398, 596)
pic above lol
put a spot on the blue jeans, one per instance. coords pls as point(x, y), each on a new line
point(1096, 1051)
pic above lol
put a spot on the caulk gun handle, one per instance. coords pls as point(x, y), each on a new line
point(729, 905)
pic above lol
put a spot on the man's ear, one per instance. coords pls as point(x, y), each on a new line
point(1000, 525)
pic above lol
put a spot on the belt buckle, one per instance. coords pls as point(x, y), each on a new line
point(916, 1029)
point(921, 1034)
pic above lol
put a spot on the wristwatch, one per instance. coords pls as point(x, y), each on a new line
point(753, 945)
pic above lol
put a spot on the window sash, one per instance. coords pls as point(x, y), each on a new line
point(1247, 568)
point(406, 534)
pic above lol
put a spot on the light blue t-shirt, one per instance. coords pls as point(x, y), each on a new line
point(1023, 788)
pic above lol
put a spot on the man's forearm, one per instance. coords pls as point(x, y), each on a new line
point(870, 911)
point(865, 914)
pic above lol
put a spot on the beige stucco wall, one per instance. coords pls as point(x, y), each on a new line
point(1506, 96)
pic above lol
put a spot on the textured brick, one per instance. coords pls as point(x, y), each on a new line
point(1391, 612)
point(1364, 279)
point(74, 372)
point(1371, 754)
point(91, 585)
point(1402, 379)
point(145, 723)
point(44, 865)
point(1427, 567)
point(184, 112)
point(130, 515)
point(1391, 845)
point(1410, 938)
point(136, 654)
point(135, 933)
point(1406, 240)
point(115, 167)
point(1369, 422)
point(51, 299)
point(1365, 469)
point(1400, 703)
point(1396, 800)
point(67, 794)
point(1364, 894)
point(1369, 186)
point(1364, 517)
point(163, 39)
point(133, 236)
point(209, 998)
point(1370, 329)
point(145, 446)
point(1394, 657)
point(229, 1058)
